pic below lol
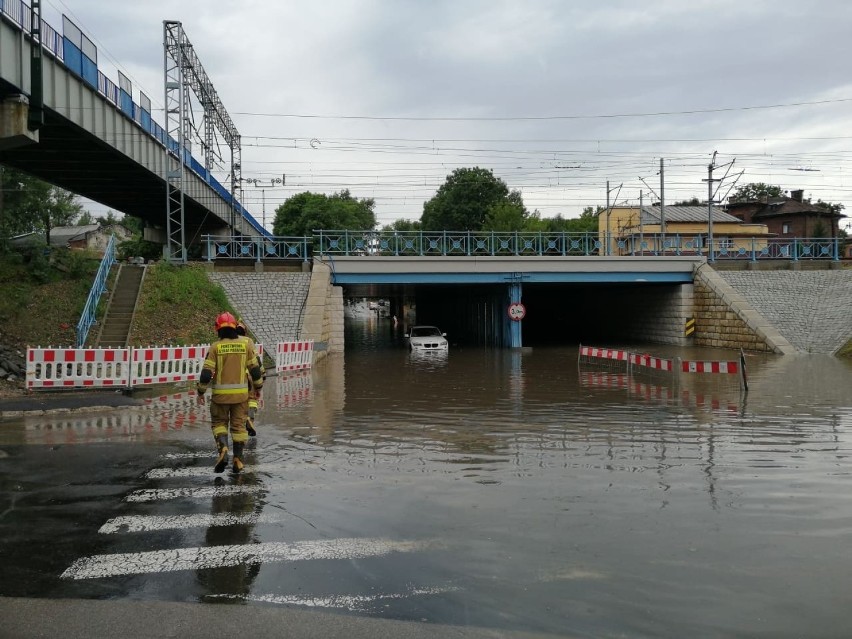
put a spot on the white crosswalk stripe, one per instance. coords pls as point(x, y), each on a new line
point(157, 561)
point(170, 560)
point(201, 492)
point(149, 523)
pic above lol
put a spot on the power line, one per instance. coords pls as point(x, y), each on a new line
point(542, 117)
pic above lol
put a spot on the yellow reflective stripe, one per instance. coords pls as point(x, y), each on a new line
point(229, 391)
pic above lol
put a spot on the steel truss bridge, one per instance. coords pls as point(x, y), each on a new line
point(85, 133)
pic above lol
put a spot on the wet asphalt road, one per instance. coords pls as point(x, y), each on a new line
point(56, 401)
point(497, 494)
point(56, 497)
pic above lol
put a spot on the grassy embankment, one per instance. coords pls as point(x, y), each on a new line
point(41, 301)
point(177, 307)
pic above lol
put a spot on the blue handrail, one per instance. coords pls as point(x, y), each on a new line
point(90, 311)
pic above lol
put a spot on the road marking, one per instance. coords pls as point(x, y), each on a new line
point(349, 602)
point(145, 523)
point(191, 493)
point(198, 558)
point(202, 471)
point(196, 455)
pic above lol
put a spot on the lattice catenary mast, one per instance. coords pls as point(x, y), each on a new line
point(182, 72)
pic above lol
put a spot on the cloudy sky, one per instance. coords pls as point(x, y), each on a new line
point(386, 98)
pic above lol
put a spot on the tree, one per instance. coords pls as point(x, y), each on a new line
point(506, 216)
point(831, 207)
point(109, 219)
point(465, 200)
point(305, 212)
point(52, 206)
point(586, 223)
point(402, 225)
point(85, 219)
point(29, 204)
point(755, 191)
point(693, 202)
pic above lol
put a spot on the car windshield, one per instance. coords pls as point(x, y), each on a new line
point(425, 331)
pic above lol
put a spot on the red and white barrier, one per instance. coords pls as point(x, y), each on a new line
point(603, 353)
point(655, 363)
point(294, 356)
point(729, 368)
point(167, 364)
point(77, 367)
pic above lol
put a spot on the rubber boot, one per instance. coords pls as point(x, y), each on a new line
point(222, 459)
point(252, 412)
point(238, 458)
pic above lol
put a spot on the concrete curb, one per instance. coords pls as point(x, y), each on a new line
point(107, 619)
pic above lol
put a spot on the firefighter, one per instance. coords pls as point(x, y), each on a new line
point(254, 393)
point(224, 372)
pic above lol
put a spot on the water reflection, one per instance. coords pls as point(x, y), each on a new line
point(233, 581)
point(563, 499)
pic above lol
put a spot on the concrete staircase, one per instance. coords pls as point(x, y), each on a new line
point(115, 327)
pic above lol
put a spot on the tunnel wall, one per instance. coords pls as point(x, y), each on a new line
point(723, 318)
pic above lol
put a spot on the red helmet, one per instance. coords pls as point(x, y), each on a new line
point(225, 320)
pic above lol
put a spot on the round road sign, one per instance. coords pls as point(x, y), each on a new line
point(517, 311)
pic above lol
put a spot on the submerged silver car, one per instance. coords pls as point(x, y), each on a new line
point(426, 338)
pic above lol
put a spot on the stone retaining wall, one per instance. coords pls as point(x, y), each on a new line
point(812, 309)
point(723, 318)
point(271, 304)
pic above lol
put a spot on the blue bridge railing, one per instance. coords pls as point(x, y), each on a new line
point(90, 311)
point(455, 243)
point(494, 243)
point(256, 248)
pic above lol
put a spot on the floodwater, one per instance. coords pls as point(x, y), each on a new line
point(514, 490)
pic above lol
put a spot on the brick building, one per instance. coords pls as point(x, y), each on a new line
point(791, 216)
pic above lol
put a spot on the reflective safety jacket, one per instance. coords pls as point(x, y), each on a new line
point(225, 371)
point(259, 361)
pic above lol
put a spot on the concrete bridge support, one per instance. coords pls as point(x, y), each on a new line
point(323, 317)
point(14, 133)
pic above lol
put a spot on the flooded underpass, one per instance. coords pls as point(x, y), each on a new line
point(510, 490)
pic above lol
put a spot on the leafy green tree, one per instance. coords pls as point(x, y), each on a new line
point(506, 216)
point(755, 191)
point(305, 212)
point(85, 219)
point(465, 199)
point(109, 219)
point(402, 225)
point(831, 207)
point(13, 192)
point(693, 202)
point(29, 204)
point(586, 223)
point(133, 224)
